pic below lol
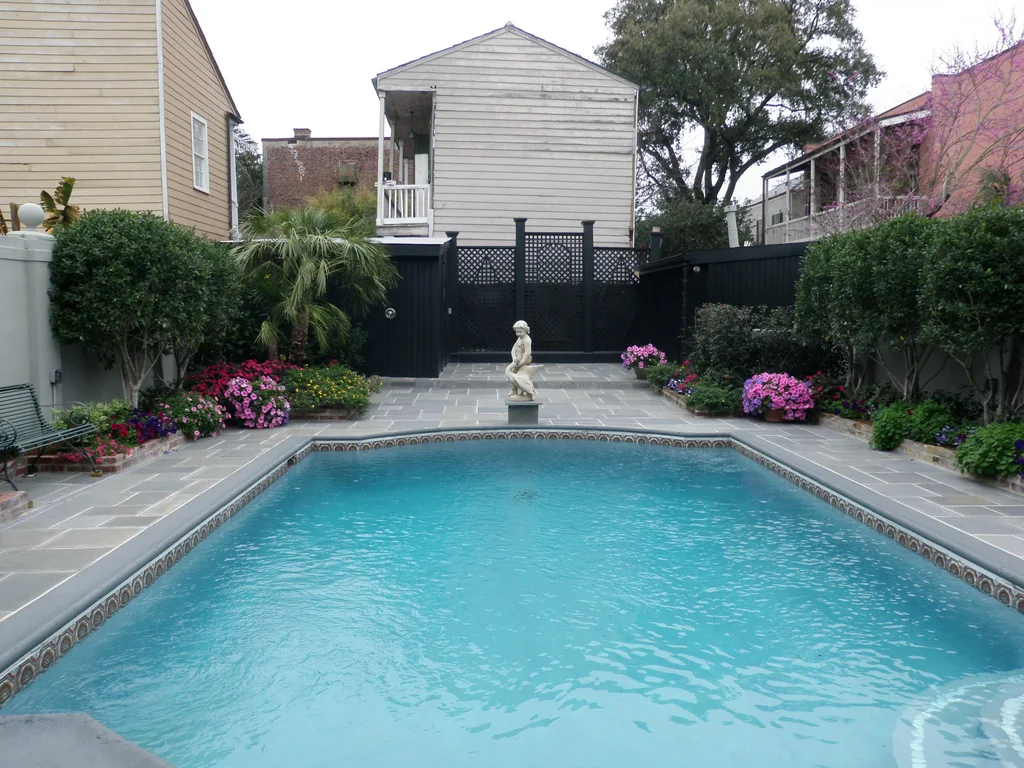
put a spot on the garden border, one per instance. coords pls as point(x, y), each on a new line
point(34, 638)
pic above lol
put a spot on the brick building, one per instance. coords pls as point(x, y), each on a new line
point(297, 168)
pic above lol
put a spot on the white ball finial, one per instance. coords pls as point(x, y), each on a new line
point(30, 215)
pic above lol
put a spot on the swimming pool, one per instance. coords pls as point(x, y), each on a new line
point(543, 603)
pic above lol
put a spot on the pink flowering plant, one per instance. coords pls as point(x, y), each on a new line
point(642, 357)
point(196, 415)
point(780, 392)
point(257, 404)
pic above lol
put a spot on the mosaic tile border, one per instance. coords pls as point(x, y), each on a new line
point(988, 583)
point(41, 658)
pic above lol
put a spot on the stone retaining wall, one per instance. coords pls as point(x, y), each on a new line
point(108, 464)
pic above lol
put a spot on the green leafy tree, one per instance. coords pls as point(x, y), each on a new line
point(248, 174)
point(973, 294)
point(897, 254)
point(689, 225)
point(124, 285)
point(220, 293)
point(736, 79)
point(359, 206)
point(293, 256)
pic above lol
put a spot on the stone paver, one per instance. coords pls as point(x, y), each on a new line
point(78, 519)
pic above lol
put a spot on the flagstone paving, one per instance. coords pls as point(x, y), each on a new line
point(77, 520)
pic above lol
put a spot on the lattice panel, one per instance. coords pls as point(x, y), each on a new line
point(487, 265)
point(555, 315)
point(615, 308)
point(617, 265)
point(554, 258)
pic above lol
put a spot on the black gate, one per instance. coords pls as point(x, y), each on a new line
point(579, 300)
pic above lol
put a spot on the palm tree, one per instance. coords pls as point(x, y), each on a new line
point(293, 255)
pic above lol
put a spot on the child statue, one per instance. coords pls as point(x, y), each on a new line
point(521, 370)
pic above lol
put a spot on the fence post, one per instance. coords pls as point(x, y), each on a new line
point(453, 292)
point(520, 266)
point(588, 286)
point(655, 252)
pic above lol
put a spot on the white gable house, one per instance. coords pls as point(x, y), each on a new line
point(501, 126)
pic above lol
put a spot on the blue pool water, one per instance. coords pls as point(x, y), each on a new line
point(542, 604)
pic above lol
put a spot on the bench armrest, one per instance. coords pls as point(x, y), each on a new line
point(8, 435)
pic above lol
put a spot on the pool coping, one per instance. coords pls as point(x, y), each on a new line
point(34, 638)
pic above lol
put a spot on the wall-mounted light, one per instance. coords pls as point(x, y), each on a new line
point(696, 269)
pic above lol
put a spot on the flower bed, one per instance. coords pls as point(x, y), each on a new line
point(109, 456)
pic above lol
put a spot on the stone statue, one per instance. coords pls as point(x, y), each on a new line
point(521, 370)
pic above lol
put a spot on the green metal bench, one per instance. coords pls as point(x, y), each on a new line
point(23, 428)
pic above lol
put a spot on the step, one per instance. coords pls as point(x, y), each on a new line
point(498, 383)
point(13, 504)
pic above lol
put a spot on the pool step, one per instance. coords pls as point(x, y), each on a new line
point(975, 721)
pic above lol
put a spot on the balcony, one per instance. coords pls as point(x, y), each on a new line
point(405, 206)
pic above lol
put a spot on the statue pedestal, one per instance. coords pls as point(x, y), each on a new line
point(523, 413)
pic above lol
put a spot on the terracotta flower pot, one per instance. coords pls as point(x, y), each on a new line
point(773, 415)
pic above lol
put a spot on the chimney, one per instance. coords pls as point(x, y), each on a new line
point(303, 133)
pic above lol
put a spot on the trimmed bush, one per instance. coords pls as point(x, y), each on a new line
point(660, 375)
point(994, 451)
point(710, 398)
point(890, 427)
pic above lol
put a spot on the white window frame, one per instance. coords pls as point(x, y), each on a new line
point(206, 157)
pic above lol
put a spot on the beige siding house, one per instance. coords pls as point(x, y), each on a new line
point(123, 95)
point(506, 125)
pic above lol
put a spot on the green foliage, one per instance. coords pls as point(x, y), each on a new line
point(125, 285)
point(347, 351)
point(992, 450)
point(897, 254)
point(248, 174)
point(351, 204)
point(101, 414)
point(709, 397)
point(58, 208)
point(152, 397)
point(973, 291)
point(890, 427)
point(658, 375)
point(293, 256)
point(688, 225)
point(744, 340)
point(739, 79)
point(327, 387)
point(927, 419)
point(723, 338)
point(963, 404)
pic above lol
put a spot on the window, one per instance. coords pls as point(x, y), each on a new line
point(200, 155)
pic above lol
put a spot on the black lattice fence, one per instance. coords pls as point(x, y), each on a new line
point(616, 295)
point(486, 297)
point(554, 288)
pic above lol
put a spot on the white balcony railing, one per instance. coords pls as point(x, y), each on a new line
point(405, 204)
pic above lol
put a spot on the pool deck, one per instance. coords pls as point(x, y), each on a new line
point(81, 527)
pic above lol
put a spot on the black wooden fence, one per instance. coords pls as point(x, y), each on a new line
point(579, 299)
point(672, 289)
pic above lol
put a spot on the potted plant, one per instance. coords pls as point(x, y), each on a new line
point(638, 359)
point(779, 396)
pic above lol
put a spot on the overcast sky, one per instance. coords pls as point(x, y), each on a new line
point(308, 63)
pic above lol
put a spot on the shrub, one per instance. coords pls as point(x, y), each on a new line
point(996, 450)
point(973, 291)
point(259, 404)
point(125, 286)
point(659, 375)
point(101, 414)
point(142, 426)
point(327, 387)
point(779, 347)
point(213, 379)
point(196, 415)
point(710, 398)
point(927, 419)
point(963, 404)
point(641, 357)
point(723, 338)
point(890, 426)
point(153, 397)
point(780, 392)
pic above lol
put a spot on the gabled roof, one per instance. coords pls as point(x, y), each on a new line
point(510, 27)
point(213, 60)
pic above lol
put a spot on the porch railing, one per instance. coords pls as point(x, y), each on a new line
point(406, 204)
